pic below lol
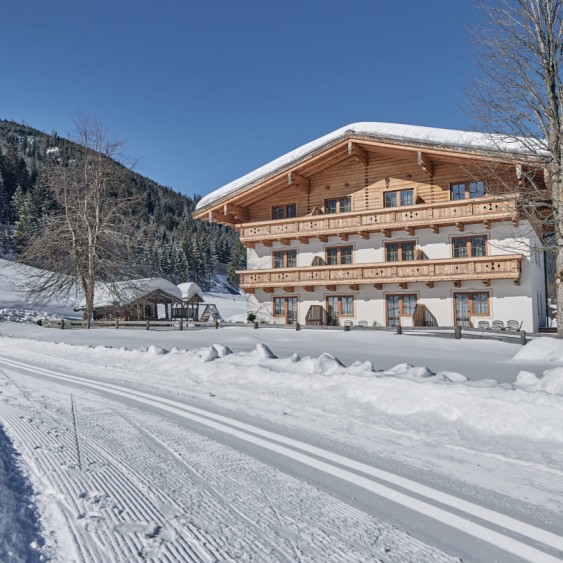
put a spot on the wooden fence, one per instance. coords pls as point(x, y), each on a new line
point(456, 332)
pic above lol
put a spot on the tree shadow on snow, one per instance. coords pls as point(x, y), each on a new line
point(20, 535)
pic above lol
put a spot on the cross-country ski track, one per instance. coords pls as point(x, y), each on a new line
point(157, 478)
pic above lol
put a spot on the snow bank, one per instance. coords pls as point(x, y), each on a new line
point(545, 349)
point(405, 396)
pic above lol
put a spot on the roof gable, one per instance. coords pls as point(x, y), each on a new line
point(394, 134)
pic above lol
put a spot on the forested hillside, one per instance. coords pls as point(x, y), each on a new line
point(171, 243)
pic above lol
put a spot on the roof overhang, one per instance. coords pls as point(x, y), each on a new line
point(294, 168)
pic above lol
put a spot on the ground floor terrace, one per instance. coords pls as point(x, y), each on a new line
point(466, 304)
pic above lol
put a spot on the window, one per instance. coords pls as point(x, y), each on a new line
point(284, 211)
point(399, 306)
point(338, 255)
point(339, 306)
point(470, 304)
point(339, 205)
point(285, 258)
point(399, 251)
point(467, 190)
point(401, 197)
point(464, 247)
point(286, 307)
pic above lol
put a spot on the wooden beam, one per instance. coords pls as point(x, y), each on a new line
point(487, 283)
point(425, 163)
point(343, 236)
point(217, 217)
point(364, 235)
point(435, 229)
point(309, 288)
point(355, 150)
point(241, 213)
point(410, 231)
point(460, 226)
point(268, 289)
point(267, 243)
point(250, 290)
point(403, 285)
point(300, 182)
point(331, 288)
point(249, 244)
point(323, 238)
point(457, 283)
point(354, 287)
point(430, 284)
point(285, 241)
point(515, 221)
point(386, 233)
point(520, 175)
point(487, 224)
point(378, 286)
point(303, 240)
point(289, 289)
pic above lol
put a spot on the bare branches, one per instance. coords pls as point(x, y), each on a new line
point(520, 93)
point(89, 237)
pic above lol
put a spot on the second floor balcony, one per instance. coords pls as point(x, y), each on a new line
point(456, 270)
point(425, 215)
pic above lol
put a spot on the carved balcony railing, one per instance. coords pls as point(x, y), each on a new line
point(424, 215)
point(484, 268)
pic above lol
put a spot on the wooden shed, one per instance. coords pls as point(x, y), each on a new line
point(137, 300)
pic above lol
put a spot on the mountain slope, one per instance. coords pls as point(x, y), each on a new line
point(174, 245)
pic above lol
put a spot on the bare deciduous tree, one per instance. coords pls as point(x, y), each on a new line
point(87, 240)
point(519, 94)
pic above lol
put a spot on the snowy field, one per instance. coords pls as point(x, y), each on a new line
point(274, 445)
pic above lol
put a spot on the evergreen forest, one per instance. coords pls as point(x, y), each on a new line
point(171, 243)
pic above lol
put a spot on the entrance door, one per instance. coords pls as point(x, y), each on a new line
point(393, 310)
point(462, 317)
point(332, 310)
point(291, 316)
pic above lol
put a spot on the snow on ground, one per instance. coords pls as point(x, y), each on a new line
point(478, 416)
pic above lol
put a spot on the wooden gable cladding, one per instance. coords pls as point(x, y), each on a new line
point(361, 169)
point(365, 184)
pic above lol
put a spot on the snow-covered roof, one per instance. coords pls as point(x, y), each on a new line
point(189, 289)
point(449, 138)
point(128, 291)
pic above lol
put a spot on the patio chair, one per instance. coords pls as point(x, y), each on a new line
point(513, 325)
point(498, 325)
point(484, 325)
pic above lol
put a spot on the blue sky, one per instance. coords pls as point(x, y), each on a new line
point(204, 92)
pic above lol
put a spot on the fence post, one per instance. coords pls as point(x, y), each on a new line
point(62, 324)
point(148, 325)
point(216, 323)
point(116, 323)
point(181, 325)
point(523, 337)
point(399, 329)
point(255, 324)
point(457, 332)
point(346, 328)
point(297, 326)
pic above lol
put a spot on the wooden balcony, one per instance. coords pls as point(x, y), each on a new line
point(420, 216)
point(456, 270)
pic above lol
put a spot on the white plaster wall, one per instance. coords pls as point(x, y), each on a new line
point(524, 302)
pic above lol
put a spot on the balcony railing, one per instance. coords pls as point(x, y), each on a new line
point(485, 268)
point(425, 215)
